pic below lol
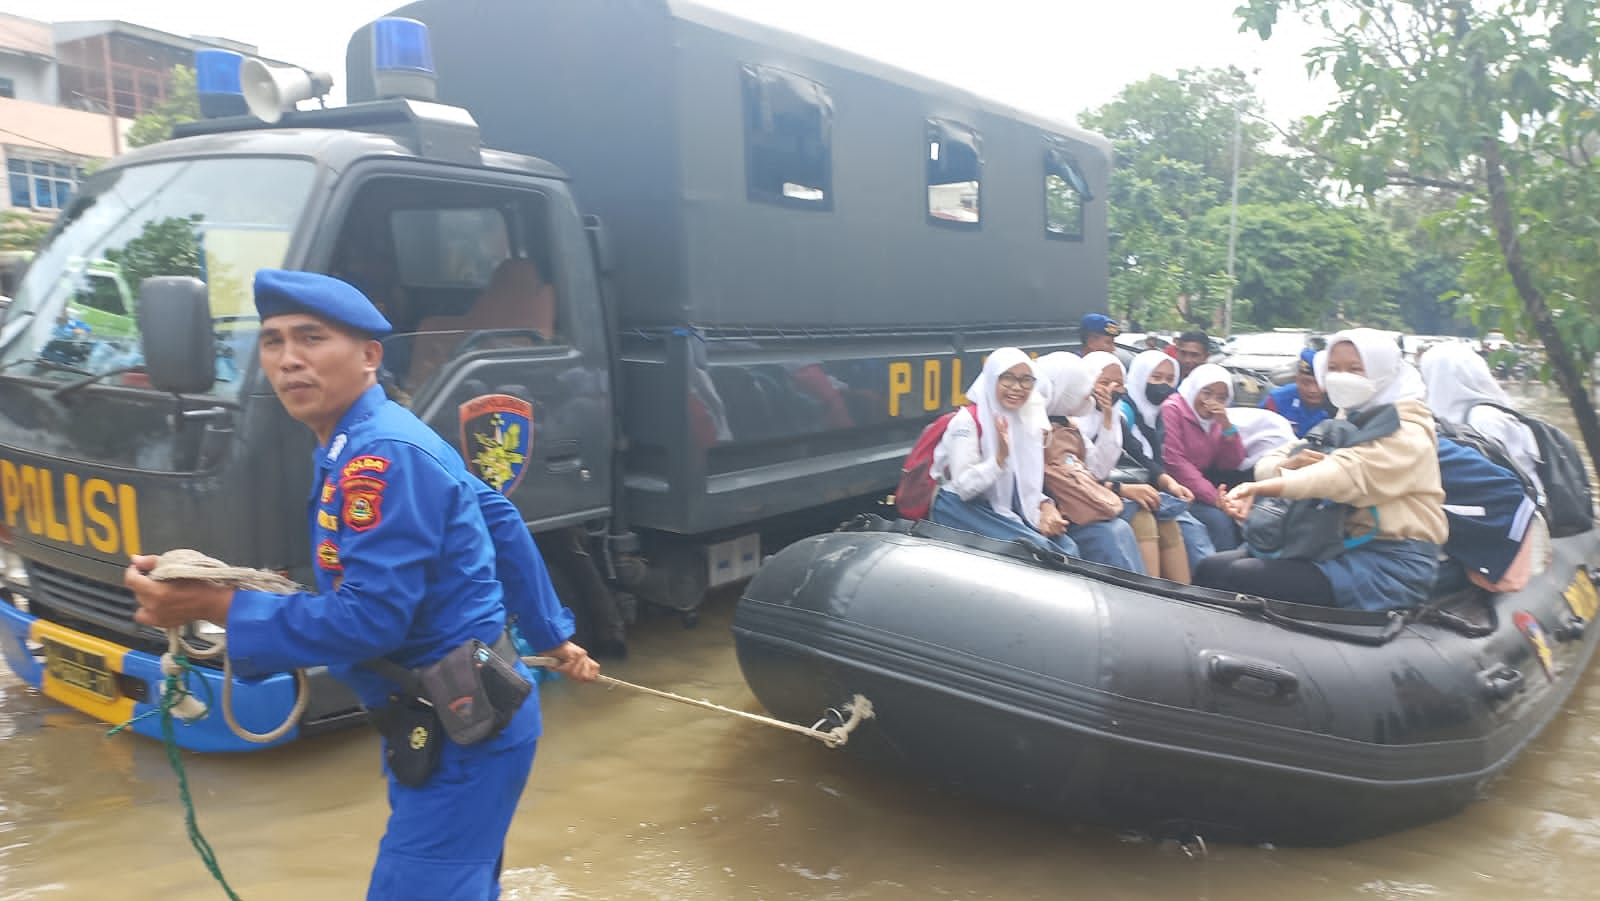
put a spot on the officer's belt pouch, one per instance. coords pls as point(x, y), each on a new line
point(411, 738)
point(475, 692)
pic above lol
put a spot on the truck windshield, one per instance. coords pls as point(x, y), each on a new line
point(219, 220)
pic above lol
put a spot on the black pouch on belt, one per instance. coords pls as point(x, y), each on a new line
point(475, 690)
point(412, 738)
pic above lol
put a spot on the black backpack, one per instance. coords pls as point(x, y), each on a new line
point(1569, 499)
point(1313, 528)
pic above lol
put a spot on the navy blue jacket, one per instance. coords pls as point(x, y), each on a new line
point(1285, 401)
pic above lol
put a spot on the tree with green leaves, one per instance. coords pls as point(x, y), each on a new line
point(21, 231)
point(1492, 102)
point(182, 105)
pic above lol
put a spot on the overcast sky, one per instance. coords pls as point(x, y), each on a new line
point(1052, 57)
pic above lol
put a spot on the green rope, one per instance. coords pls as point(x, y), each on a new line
point(174, 689)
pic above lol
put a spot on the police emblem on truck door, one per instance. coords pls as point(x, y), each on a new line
point(496, 436)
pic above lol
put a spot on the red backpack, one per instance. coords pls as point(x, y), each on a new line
point(914, 497)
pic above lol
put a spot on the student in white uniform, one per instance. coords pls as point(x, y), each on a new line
point(990, 468)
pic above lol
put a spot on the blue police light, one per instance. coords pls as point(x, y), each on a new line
point(401, 45)
point(216, 80)
point(402, 59)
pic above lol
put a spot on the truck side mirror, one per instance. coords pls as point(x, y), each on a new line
point(176, 334)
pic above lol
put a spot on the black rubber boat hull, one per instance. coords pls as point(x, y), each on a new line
point(1098, 696)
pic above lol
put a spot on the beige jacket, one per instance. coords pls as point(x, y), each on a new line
point(1398, 474)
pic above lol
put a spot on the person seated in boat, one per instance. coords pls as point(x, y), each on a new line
point(990, 468)
point(1262, 432)
point(1462, 390)
point(1093, 512)
point(1199, 436)
point(1392, 482)
point(1302, 401)
point(1153, 501)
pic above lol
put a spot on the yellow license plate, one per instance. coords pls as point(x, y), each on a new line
point(80, 669)
point(1581, 595)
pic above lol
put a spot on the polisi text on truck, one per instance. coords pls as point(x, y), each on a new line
point(64, 507)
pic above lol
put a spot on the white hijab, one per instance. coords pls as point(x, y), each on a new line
point(1395, 379)
point(1262, 432)
point(1068, 384)
point(1139, 372)
point(1457, 380)
point(1204, 375)
point(1024, 469)
point(1090, 423)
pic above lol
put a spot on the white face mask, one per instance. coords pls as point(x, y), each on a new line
point(1348, 390)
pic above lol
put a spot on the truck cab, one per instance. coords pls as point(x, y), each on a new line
point(665, 279)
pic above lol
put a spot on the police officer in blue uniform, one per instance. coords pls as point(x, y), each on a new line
point(1302, 401)
point(414, 558)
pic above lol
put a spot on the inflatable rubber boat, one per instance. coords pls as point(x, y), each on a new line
point(1098, 695)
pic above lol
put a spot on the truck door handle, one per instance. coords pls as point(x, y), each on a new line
point(563, 456)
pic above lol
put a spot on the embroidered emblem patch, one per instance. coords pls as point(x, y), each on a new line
point(327, 491)
point(363, 503)
point(496, 436)
point(365, 465)
point(328, 556)
point(325, 520)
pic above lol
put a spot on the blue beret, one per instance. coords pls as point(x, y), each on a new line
point(1100, 324)
point(1307, 364)
point(280, 291)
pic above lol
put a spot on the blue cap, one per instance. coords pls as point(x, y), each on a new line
point(1307, 364)
point(280, 291)
point(1100, 324)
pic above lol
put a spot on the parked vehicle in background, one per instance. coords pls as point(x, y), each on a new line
point(1272, 354)
point(1495, 341)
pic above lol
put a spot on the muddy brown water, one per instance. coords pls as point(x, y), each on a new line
point(638, 798)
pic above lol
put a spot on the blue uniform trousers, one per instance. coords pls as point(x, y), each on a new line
point(445, 839)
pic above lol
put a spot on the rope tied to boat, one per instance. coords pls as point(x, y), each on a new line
point(189, 564)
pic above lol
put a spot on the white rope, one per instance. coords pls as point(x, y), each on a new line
point(859, 708)
point(187, 564)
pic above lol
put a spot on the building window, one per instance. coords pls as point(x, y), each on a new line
point(8, 88)
point(954, 163)
point(1065, 193)
point(42, 185)
point(788, 139)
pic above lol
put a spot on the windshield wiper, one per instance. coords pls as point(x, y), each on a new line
point(42, 363)
point(91, 378)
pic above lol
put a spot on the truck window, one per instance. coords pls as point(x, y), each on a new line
point(788, 138)
point(455, 268)
point(954, 163)
point(1065, 191)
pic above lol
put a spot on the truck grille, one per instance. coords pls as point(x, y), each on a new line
point(105, 611)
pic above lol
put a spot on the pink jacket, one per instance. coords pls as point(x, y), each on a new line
point(1189, 450)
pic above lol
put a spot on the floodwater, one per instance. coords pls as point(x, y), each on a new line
point(638, 798)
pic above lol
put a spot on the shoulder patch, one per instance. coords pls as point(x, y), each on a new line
point(363, 503)
point(366, 463)
point(327, 491)
point(325, 520)
point(328, 556)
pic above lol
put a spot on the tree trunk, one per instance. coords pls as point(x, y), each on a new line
point(1556, 351)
